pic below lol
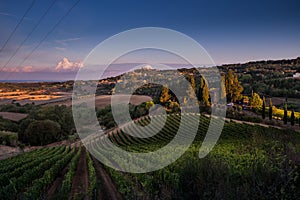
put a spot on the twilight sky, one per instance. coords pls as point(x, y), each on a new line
point(231, 31)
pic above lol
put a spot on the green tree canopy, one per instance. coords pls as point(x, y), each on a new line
point(233, 87)
point(60, 114)
point(256, 101)
point(42, 132)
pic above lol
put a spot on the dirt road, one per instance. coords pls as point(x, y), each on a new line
point(108, 188)
point(80, 182)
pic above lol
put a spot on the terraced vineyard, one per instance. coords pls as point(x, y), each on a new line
point(248, 162)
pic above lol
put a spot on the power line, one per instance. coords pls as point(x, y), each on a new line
point(17, 26)
point(46, 36)
point(34, 28)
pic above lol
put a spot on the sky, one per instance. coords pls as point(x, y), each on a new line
point(231, 31)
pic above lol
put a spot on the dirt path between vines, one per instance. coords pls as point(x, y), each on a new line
point(51, 192)
point(109, 189)
point(80, 183)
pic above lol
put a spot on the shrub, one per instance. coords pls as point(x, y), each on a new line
point(8, 138)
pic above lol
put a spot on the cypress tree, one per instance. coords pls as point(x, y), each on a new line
point(264, 109)
point(206, 96)
point(222, 89)
point(200, 89)
point(285, 114)
point(192, 81)
point(164, 96)
point(293, 118)
point(203, 93)
point(270, 109)
point(191, 90)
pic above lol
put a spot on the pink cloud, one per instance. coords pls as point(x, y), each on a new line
point(10, 69)
point(65, 65)
point(27, 69)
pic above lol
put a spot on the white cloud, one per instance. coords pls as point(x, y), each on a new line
point(65, 41)
point(147, 67)
point(66, 65)
point(7, 14)
point(13, 16)
point(60, 48)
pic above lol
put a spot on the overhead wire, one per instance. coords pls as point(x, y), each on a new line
point(28, 36)
point(52, 29)
point(17, 26)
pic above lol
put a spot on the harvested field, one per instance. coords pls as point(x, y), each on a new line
point(13, 116)
point(104, 100)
